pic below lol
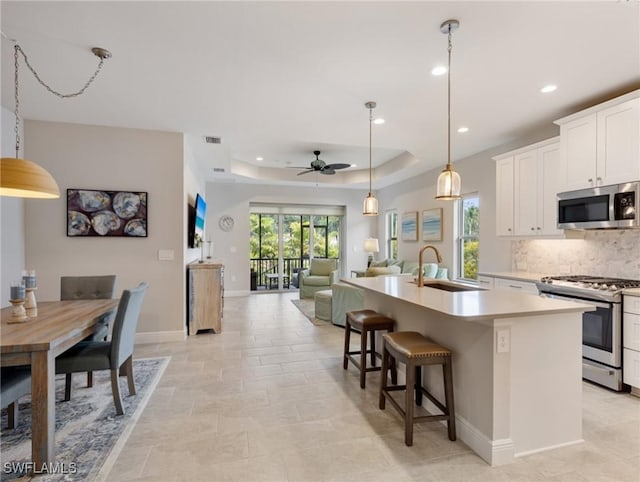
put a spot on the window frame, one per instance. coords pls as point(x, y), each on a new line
point(391, 224)
point(461, 238)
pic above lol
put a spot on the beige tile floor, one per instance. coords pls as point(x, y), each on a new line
point(268, 399)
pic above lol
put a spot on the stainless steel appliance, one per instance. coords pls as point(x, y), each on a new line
point(602, 328)
point(602, 207)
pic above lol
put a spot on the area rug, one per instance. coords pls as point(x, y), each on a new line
point(308, 309)
point(89, 435)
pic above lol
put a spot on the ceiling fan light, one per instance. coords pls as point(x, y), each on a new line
point(23, 178)
point(448, 186)
point(370, 206)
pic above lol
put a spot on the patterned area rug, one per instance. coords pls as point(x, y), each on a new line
point(308, 309)
point(89, 435)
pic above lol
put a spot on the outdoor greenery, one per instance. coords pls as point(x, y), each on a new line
point(263, 241)
point(469, 239)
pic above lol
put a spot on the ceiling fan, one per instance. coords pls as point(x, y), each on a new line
point(318, 165)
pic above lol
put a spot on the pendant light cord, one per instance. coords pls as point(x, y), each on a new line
point(449, 104)
point(370, 124)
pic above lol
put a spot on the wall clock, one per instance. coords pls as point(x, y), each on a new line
point(226, 223)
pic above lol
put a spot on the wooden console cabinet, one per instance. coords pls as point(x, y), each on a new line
point(205, 293)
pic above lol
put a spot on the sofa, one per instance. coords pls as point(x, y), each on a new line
point(346, 298)
point(322, 273)
point(398, 266)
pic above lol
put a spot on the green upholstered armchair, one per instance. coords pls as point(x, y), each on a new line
point(322, 273)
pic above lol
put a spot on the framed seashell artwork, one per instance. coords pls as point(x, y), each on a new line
point(106, 213)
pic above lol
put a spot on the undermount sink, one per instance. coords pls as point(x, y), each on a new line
point(448, 286)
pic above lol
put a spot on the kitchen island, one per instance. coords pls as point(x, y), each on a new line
point(517, 361)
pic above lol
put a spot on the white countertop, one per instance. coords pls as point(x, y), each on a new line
point(469, 305)
point(515, 275)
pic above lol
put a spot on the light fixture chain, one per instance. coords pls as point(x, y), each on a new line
point(17, 106)
point(62, 96)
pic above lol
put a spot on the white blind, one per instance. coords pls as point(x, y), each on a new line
point(296, 209)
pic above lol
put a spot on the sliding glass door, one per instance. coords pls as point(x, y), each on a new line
point(282, 244)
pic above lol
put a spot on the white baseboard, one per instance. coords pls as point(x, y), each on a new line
point(494, 452)
point(160, 337)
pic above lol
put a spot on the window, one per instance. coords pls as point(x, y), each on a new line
point(392, 234)
point(283, 241)
point(468, 236)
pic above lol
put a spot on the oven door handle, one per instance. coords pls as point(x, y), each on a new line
point(577, 300)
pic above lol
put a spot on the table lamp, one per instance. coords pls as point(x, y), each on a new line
point(371, 246)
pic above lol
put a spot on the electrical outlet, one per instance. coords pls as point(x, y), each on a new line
point(503, 342)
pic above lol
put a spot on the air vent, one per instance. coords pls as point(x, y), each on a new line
point(213, 140)
point(218, 169)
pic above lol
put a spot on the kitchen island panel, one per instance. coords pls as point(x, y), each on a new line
point(509, 403)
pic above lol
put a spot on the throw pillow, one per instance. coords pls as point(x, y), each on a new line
point(382, 270)
point(378, 264)
point(430, 270)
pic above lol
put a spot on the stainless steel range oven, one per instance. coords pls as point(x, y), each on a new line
point(601, 328)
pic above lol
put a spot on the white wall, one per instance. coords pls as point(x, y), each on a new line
point(234, 199)
point(108, 158)
point(11, 219)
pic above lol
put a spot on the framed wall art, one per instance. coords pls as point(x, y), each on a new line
point(106, 213)
point(432, 224)
point(409, 225)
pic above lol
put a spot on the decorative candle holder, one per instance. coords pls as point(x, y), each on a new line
point(18, 313)
point(209, 249)
point(30, 303)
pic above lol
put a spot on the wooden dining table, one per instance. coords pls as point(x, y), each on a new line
point(36, 342)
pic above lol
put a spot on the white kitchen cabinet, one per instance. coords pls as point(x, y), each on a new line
point(601, 145)
point(504, 197)
point(527, 181)
point(516, 286)
point(485, 282)
point(631, 341)
point(552, 182)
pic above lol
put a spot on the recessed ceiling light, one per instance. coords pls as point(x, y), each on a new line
point(439, 70)
point(548, 88)
point(378, 121)
point(463, 129)
point(259, 159)
point(353, 165)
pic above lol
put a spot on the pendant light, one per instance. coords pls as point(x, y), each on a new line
point(24, 178)
point(370, 206)
point(448, 186)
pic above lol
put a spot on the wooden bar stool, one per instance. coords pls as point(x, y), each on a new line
point(365, 321)
point(416, 351)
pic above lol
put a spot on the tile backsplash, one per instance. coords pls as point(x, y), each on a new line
point(613, 253)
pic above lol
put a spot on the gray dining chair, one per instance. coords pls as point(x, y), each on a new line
point(114, 355)
point(90, 288)
point(15, 382)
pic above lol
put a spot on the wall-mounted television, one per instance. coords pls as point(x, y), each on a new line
point(197, 217)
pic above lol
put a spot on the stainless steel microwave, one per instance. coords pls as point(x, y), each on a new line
point(602, 207)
